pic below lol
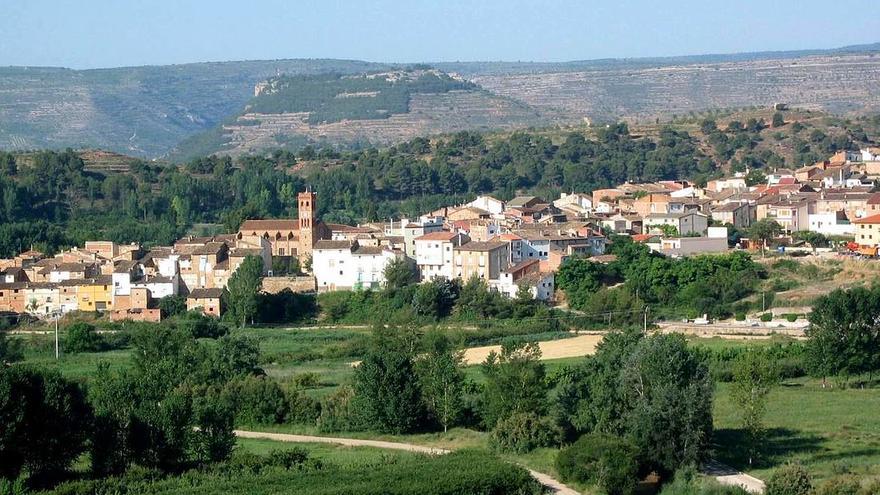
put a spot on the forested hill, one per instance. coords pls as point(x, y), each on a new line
point(52, 200)
point(357, 111)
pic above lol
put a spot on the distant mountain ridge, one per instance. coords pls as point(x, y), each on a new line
point(148, 111)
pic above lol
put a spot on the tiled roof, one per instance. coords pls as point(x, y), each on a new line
point(442, 235)
point(273, 224)
point(326, 244)
point(870, 219)
point(205, 293)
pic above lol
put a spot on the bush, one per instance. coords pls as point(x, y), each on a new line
point(791, 317)
point(849, 484)
point(81, 337)
point(338, 412)
point(200, 325)
point(301, 408)
point(689, 482)
point(256, 399)
point(791, 479)
point(524, 432)
point(170, 306)
point(767, 317)
point(606, 461)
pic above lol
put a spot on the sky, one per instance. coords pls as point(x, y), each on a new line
point(111, 33)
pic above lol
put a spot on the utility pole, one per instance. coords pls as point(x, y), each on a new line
point(763, 301)
point(646, 321)
point(57, 350)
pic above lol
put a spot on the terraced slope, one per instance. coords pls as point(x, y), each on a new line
point(839, 84)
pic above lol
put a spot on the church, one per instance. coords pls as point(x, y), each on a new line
point(291, 237)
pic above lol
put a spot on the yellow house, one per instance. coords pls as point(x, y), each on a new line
point(95, 294)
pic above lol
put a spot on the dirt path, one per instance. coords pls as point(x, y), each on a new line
point(582, 345)
point(555, 486)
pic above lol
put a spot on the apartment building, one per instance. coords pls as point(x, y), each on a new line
point(435, 253)
point(484, 260)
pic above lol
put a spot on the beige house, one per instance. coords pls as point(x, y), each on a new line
point(206, 300)
point(485, 260)
point(867, 230)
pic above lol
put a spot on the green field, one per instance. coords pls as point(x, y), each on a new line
point(831, 431)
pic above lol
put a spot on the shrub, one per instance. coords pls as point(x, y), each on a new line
point(606, 461)
point(170, 306)
point(338, 412)
point(839, 485)
point(256, 399)
point(301, 408)
point(791, 479)
point(307, 380)
point(524, 432)
point(740, 316)
point(767, 317)
point(791, 317)
point(81, 337)
point(200, 325)
point(689, 482)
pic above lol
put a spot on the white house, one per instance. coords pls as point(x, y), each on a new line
point(488, 203)
point(434, 253)
point(688, 223)
point(830, 223)
point(582, 203)
point(527, 273)
point(339, 265)
point(160, 286)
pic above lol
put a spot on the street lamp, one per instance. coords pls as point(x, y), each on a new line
point(56, 315)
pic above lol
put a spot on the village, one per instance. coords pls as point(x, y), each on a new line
point(508, 244)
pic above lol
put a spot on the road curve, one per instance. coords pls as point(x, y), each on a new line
point(553, 485)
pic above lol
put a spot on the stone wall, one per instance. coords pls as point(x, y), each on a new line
point(274, 285)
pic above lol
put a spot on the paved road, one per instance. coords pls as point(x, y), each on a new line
point(555, 486)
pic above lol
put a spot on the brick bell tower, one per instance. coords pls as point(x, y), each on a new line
point(306, 224)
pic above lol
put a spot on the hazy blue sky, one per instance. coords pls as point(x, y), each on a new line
point(108, 33)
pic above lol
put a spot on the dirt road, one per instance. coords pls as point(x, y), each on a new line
point(553, 485)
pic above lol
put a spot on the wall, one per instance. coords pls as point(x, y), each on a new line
point(274, 285)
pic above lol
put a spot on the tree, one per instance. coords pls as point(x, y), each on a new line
point(11, 349)
point(81, 337)
point(580, 278)
point(608, 461)
point(754, 375)
point(764, 230)
point(441, 378)
point(755, 177)
point(667, 395)
point(399, 273)
point(844, 336)
point(514, 382)
point(172, 305)
point(46, 422)
point(386, 386)
point(778, 120)
point(243, 289)
point(814, 239)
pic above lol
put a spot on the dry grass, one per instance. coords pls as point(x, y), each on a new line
point(582, 345)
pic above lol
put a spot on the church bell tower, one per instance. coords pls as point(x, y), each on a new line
point(306, 224)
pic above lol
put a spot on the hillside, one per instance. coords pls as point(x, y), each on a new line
point(148, 111)
point(840, 84)
point(353, 111)
point(143, 111)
